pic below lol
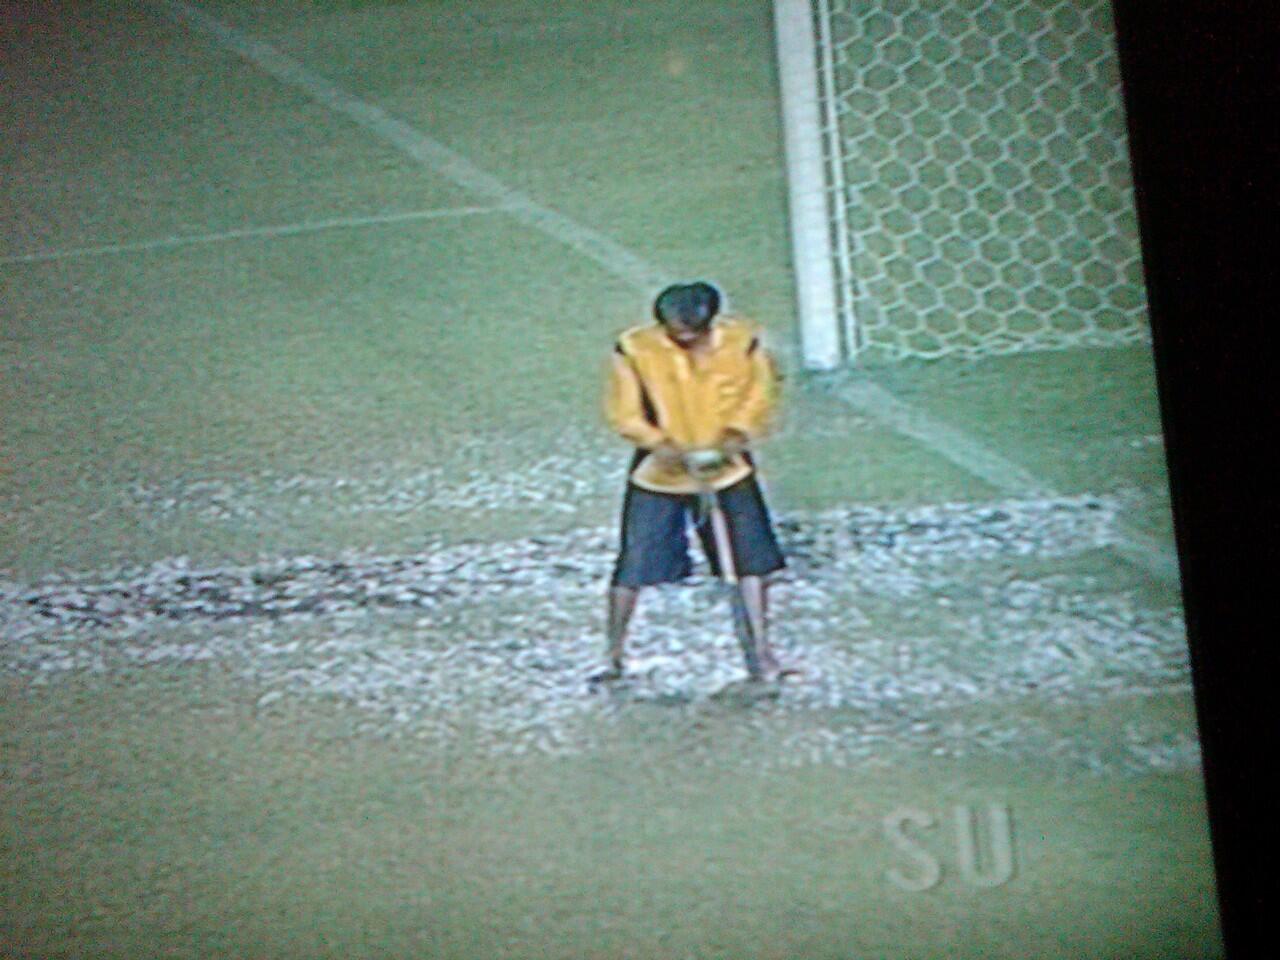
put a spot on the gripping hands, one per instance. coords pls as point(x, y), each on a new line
point(703, 463)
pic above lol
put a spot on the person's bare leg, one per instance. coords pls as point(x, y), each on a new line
point(622, 604)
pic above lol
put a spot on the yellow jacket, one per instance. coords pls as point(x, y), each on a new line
point(659, 392)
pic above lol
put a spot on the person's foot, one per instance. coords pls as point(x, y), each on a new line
point(772, 669)
point(611, 672)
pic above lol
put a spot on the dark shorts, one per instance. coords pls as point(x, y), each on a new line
point(655, 543)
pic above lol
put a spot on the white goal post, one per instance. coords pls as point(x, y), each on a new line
point(821, 344)
point(958, 179)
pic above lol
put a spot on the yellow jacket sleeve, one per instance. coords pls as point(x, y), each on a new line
point(754, 415)
point(624, 406)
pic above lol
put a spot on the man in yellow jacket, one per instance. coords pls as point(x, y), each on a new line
point(691, 393)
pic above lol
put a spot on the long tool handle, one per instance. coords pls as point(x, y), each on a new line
point(729, 573)
point(720, 534)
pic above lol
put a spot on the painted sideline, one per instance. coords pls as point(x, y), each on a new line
point(430, 153)
point(874, 400)
point(280, 230)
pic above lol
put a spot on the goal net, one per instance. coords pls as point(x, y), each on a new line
point(959, 176)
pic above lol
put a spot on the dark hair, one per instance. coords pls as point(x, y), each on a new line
point(707, 298)
point(692, 305)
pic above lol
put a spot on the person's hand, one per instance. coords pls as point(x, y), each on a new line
point(705, 461)
point(668, 455)
point(733, 442)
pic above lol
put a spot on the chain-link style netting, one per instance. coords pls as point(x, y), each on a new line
point(979, 166)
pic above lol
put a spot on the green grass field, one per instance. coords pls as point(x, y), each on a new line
point(197, 827)
point(255, 352)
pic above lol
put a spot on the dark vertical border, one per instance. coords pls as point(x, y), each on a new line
point(1200, 82)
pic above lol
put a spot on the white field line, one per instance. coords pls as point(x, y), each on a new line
point(282, 230)
point(961, 449)
point(871, 399)
point(430, 153)
point(1003, 474)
